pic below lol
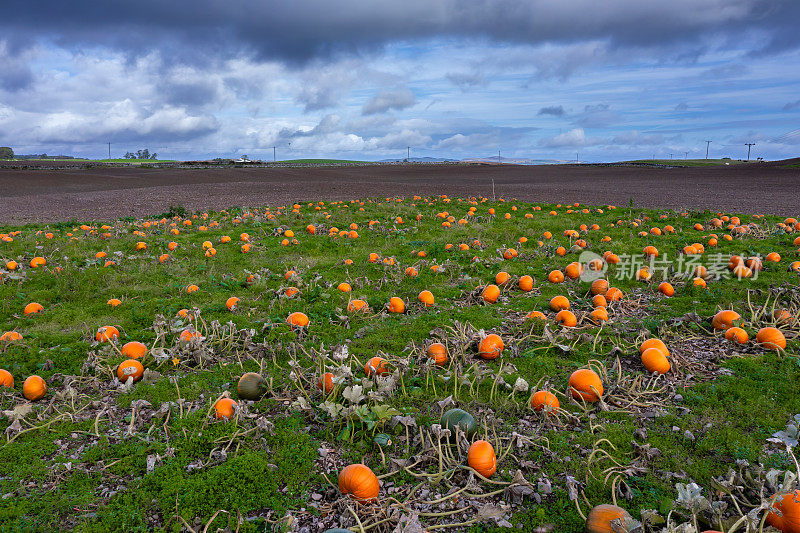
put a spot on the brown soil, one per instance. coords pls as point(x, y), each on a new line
point(44, 193)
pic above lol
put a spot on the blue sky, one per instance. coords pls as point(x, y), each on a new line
point(539, 79)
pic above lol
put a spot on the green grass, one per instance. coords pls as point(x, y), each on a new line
point(733, 398)
point(689, 162)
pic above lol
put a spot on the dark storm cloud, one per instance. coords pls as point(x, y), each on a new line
point(15, 75)
point(302, 29)
point(556, 111)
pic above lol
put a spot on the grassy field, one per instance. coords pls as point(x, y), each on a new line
point(98, 454)
point(690, 162)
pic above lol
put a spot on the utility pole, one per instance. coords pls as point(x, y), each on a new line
point(109, 152)
point(498, 156)
point(670, 156)
point(408, 153)
point(686, 155)
point(748, 149)
point(274, 158)
point(707, 145)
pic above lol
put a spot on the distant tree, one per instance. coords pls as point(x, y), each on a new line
point(6, 152)
point(141, 154)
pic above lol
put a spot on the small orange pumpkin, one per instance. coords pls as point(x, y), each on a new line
point(737, 334)
point(491, 347)
point(481, 458)
point(426, 297)
point(724, 319)
point(297, 320)
point(107, 334)
point(585, 383)
point(134, 350)
point(566, 318)
point(525, 283)
point(6, 379)
point(491, 293)
point(544, 400)
point(130, 368)
point(224, 408)
point(438, 352)
point(359, 482)
point(376, 366)
point(609, 519)
point(557, 303)
point(326, 382)
point(789, 507)
point(33, 308)
point(396, 305)
point(34, 388)
point(654, 360)
point(771, 339)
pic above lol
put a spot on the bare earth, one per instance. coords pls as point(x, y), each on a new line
point(41, 194)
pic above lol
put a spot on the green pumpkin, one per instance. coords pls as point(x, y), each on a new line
point(251, 386)
point(383, 440)
point(461, 419)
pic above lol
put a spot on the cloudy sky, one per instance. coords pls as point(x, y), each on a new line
point(357, 79)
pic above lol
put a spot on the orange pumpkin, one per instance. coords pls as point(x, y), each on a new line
point(426, 297)
point(134, 350)
point(574, 270)
point(224, 408)
point(771, 339)
point(666, 288)
point(33, 308)
point(357, 306)
point(297, 320)
point(557, 303)
point(598, 300)
point(609, 519)
point(536, 315)
point(654, 360)
point(359, 482)
point(326, 382)
point(10, 336)
point(491, 347)
point(396, 305)
point(438, 352)
point(737, 334)
point(107, 333)
point(598, 315)
point(481, 458)
point(525, 283)
point(724, 319)
point(344, 287)
point(586, 384)
point(6, 379)
point(502, 278)
point(231, 303)
point(491, 293)
point(613, 294)
point(789, 507)
point(376, 366)
point(130, 368)
point(544, 400)
point(566, 318)
point(654, 343)
point(34, 388)
point(555, 276)
point(599, 286)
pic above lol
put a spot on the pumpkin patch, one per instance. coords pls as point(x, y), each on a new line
point(467, 363)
